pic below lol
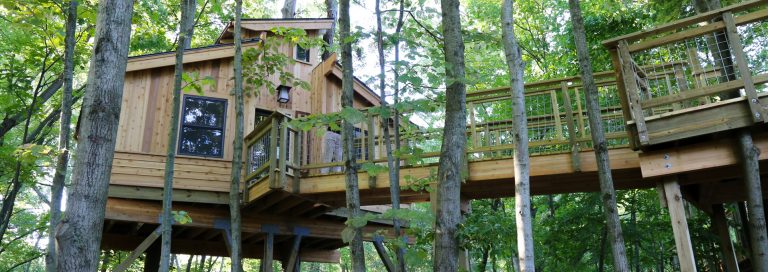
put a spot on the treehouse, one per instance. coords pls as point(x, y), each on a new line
point(670, 109)
point(204, 151)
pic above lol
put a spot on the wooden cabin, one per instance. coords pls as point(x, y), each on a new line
point(205, 148)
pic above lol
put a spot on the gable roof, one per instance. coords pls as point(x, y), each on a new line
point(331, 68)
point(270, 23)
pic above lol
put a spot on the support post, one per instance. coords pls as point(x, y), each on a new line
point(629, 77)
point(674, 200)
point(269, 247)
point(299, 232)
point(741, 61)
point(152, 261)
point(139, 250)
point(571, 125)
point(298, 143)
point(757, 228)
point(726, 246)
point(378, 243)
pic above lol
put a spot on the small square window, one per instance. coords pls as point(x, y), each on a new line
point(302, 54)
point(202, 126)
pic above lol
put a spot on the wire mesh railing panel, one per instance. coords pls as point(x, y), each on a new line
point(754, 38)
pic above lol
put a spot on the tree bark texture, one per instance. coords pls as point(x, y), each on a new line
point(79, 233)
point(520, 139)
point(289, 9)
point(237, 155)
point(453, 149)
point(756, 210)
point(167, 219)
point(331, 8)
point(190, 7)
point(57, 184)
point(607, 191)
point(348, 133)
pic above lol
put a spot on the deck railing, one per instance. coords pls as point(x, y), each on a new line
point(695, 76)
point(557, 123)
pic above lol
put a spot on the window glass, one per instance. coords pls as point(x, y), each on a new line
point(302, 54)
point(202, 126)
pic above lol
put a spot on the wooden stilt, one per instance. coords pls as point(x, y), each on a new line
point(378, 243)
point(139, 250)
point(269, 246)
point(674, 200)
point(294, 257)
point(152, 261)
point(721, 225)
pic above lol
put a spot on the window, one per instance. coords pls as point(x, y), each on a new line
point(302, 54)
point(202, 126)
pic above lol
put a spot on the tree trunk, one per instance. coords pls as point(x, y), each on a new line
point(57, 185)
point(453, 149)
point(289, 9)
point(167, 217)
point(191, 9)
point(394, 178)
point(331, 8)
point(757, 228)
point(79, 233)
point(520, 139)
point(601, 258)
point(484, 259)
point(348, 132)
point(237, 155)
point(608, 193)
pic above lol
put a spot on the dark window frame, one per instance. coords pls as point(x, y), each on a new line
point(181, 124)
point(297, 49)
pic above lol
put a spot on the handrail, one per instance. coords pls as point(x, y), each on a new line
point(700, 18)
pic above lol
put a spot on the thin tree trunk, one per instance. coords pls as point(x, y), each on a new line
point(520, 139)
point(79, 233)
point(608, 193)
point(167, 217)
point(331, 8)
point(601, 258)
point(237, 155)
point(484, 259)
point(348, 132)
point(57, 185)
point(189, 263)
point(757, 228)
point(191, 9)
point(289, 9)
point(394, 179)
point(453, 149)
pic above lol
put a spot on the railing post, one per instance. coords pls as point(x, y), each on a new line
point(273, 182)
point(369, 148)
point(632, 89)
point(283, 153)
point(746, 75)
point(556, 115)
point(569, 122)
point(298, 139)
point(682, 83)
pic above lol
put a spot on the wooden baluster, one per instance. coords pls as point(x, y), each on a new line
point(633, 92)
point(472, 125)
point(571, 125)
point(580, 113)
point(556, 115)
point(369, 148)
point(746, 75)
point(682, 83)
point(699, 77)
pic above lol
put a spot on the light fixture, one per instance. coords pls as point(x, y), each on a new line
point(283, 93)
